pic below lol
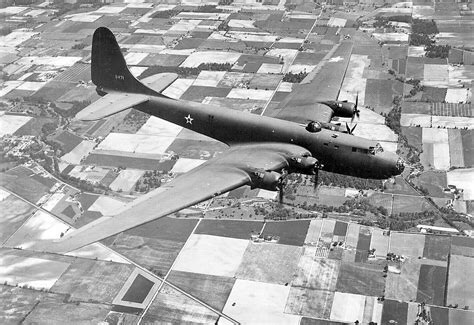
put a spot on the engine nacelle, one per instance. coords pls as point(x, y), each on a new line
point(266, 180)
point(341, 108)
point(305, 165)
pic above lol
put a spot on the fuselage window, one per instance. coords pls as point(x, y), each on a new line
point(326, 144)
point(336, 146)
point(354, 149)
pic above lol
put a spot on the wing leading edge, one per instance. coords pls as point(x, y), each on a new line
point(215, 177)
point(322, 84)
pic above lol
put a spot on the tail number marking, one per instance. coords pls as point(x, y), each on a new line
point(119, 77)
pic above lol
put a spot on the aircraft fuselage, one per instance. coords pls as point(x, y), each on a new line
point(338, 152)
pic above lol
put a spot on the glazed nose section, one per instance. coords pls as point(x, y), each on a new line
point(394, 165)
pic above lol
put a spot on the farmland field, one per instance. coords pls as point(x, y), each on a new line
point(290, 232)
point(347, 306)
point(229, 228)
point(196, 149)
point(166, 228)
point(214, 290)
point(410, 204)
point(460, 285)
point(155, 254)
point(55, 311)
point(24, 186)
point(468, 147)
point(394, 312)
point(211, 255)
point(462, 246)
point(327, 231)
point(455, 148)
point(403, 286)
point(316, 273)
point(245, 303)
point(14, 310)
point(361, 278)
point(270, 263)
point(171, 306)
point(129, 160)
point(461, 317)
point(433, 181)
point(437, 247)
point(352, 236)
point(34, 272)
point(406, 244)
point(314, 231)
point(14, 213)
point(89, 279)
point(309, 302)
point(69, 141)
point(431, 285)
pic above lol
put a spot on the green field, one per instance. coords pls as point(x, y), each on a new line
point(361, 278)
point(270, 263)
point(229, 228)
point(155, 254)
point(437, 247)
point(24, 186)
point(432, 285)
point(93, 280)
point(172, 307)
point(165, 228)
point(195, 149)
point(213, 290)
point(394, 312)
point(309, 302)
point(290, 232)
point(129, 162)
point(14, 213)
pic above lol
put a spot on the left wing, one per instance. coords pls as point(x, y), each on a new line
point(215, 177)
point(321, 84)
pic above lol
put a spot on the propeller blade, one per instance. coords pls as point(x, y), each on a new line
point(352, 130)
point(315, 179)
point(348, 129)
point(357, 102)
point(280, 195)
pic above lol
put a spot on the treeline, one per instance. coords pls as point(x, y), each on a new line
point(76, 108)
point(295, 77)
point(382, 22)
point(185, 71)
point(328, 178)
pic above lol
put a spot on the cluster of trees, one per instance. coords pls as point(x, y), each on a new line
point(165, 14)
point(328, 178)
point(48, 128)
point(416, 86)
point(77, 106)
point(382, 22)
point(185, 71)
point(437, 51)
point(422, 31)
point(149, 181)
point(392, 119)
point(84, 185)
point(78, 46)
point(295, 77)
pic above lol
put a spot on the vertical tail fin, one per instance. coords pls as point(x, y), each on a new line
point(109, 70)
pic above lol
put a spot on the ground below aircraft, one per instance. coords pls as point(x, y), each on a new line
point(262, 149)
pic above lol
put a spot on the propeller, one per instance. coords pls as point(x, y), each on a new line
point(316, 178)
point(350, 130)
point(356, 110)
point(281, 186)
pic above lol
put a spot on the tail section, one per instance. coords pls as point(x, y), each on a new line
point(109, 70)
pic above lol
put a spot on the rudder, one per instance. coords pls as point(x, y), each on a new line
point(109, 70)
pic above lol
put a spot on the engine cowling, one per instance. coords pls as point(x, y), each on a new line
point(305, 165)
point(342, 108)
point(267, 180)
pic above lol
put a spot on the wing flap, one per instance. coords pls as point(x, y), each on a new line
point(110, 104)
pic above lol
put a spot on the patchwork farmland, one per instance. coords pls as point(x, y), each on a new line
point(224, 260)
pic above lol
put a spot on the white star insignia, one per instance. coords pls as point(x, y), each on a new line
point(189, 119)
point(336, 59)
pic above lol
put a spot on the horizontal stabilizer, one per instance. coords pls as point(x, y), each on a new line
point(159, 82)
point(110, 104)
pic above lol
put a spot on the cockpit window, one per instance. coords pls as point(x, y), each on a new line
point(378, 148)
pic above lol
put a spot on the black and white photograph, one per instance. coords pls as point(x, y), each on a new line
point(299, 162)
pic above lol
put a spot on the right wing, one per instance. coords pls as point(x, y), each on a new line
point(215, 177)
point(321, 84)
point(110, 104)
